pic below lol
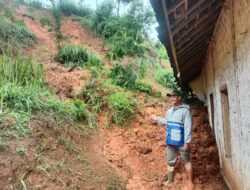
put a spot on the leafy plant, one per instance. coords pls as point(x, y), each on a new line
point(9, 13)
point(72, 54)
point(30, 14)
point(122, 107)
point(166, 78)
point(143, 87)
point(14, 35)
point(93, 96)
point(21, 150)
point(123, 76)
point(45, 21)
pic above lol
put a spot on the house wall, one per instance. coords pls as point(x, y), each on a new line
point(228, 63)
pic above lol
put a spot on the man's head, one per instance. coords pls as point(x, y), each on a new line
point(175, 97)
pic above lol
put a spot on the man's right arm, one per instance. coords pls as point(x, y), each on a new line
point(159, 120)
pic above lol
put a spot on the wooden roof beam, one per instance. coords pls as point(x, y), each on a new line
point(195, 32)
point(200, 20)
point(178, 24)
point(195, 36)
point(203, 38)
point(171, 40)
point(173, 9)
point(189, 11)
point(192, 52)
point(196, 54)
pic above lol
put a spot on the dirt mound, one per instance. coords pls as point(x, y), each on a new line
point(61, 157)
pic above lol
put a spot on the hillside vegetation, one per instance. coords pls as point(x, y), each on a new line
point(77, 87)
point(26, 99)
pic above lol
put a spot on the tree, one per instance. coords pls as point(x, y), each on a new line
point(119, 4)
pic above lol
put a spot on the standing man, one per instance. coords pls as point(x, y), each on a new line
point(179, 128)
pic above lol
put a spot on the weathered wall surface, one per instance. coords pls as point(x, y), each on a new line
point(228, 63)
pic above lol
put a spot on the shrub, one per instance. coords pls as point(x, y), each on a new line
point(123, 76)
point(166, 78)
point(14, 35)
point(93, 95)
point(9, 13)
point(104, 11)
point(72, 54)
point(143, 87)
point(88, 22)
point(45, 21)
point(69, 8)
point(36, 4)
point(58, 19)
point(122, 107)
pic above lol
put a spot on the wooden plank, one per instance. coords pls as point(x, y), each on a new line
point(194, 37)
point(202, 40)
point(187, 21)
point(172, 9)
point(171, 39)
point(201, 48)
point(189, 11)
point(200, 20)
point(181, 23)
point(196, 54)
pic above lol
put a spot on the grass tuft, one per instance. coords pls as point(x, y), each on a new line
point(72, 54)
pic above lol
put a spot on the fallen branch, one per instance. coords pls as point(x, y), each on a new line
point(72, 68)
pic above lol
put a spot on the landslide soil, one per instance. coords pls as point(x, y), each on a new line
point(59, 156)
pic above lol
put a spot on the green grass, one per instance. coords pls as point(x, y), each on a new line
point(143, 87)
point(123, 76)
point(166, 78)
point(14, 35)
point(21, 150)
point(23, 93)
point(122, 107)
point(45, 21)
point(72, 54)
point(115, 183)
point(20, 71)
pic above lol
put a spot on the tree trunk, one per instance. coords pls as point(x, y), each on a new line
point(97, 4)
point(118, 7)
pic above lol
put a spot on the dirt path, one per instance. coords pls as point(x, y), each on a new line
point(137, 153)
